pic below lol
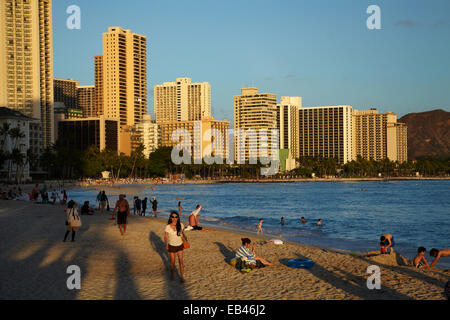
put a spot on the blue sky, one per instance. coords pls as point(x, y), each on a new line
point(320, 50)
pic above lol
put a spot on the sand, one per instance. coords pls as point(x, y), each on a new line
point(34, 260)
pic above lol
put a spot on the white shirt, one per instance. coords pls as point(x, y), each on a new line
point(174, 239)
point(196, 212)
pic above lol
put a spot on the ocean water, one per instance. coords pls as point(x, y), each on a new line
point(354, 214)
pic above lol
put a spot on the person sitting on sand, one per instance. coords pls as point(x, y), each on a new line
point(260, 227)
point(419, 260)
point(437, 254)
point(388, 239)
point(85, 209)
point(194, 219)
point(250, 257)
point(303, 220)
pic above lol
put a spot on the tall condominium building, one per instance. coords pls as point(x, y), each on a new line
point(397, 149)
point(325, 132)
point(287, 122)
point(79, 134)
point(182, 100)
point(253, 112)
point(124, 76)
point(86, 100)
point(65, 92)
point(26, 60)
point(203, 139)
point(378, 136)
point(148, 131)
point(98, 103)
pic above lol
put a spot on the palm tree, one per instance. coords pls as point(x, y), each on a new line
point(18, 158)
point(4, 132)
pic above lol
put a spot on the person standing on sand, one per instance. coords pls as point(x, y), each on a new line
point(174, 238)
point(138, 203)
point(36, 191)
point(72, 215)
point(437, 254)
point(144, 206)
point(388, 239)
point(260, 227)
point(103, 201)
point(123, 213)
point(154, 205)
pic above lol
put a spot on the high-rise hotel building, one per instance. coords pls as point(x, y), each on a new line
point(26, 60)
point(325, 132)
point(287, 123)
point(124, 76)
point(65, 93)
point(98, 96)
point(253, 112)
point(378, 136)
point(86, 100)
point(182, 100)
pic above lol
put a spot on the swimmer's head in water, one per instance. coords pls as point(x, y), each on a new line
point(434, 252)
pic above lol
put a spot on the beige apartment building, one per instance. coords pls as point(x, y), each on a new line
point(325, 132)
point(182, 100)
point(287, 123)
point(26, 61)
point(378, 136)
point(86, 100)
point(397, 149)
point(124, 76)
point(148, 131)
point(203, 141)
point(253, 112)
point(98, 104)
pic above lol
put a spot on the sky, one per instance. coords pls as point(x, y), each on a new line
point(320, 50)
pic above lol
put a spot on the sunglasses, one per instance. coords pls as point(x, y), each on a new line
point(174, 217)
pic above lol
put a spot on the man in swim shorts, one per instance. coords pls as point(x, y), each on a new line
point(123, 213)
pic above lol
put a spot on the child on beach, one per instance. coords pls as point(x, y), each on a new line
point(419, 260)
point(383, 248)
point(437, 254)
point(388, 240)
point(260, 227)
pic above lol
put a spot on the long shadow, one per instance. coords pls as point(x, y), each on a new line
point(227, 252)
point(125, 287)
point(359, 290)
point(411, 273)
point(175, 290)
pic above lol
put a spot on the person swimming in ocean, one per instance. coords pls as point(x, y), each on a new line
point(303, 220)
point(282, 221)
point(319, 222)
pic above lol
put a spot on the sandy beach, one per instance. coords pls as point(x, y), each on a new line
point(34, 260)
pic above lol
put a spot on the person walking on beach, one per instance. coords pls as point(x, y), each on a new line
point(123, 212)
point(154, 205)
point(174, 239)
point(103, 201)
point(144, 206)
point(437, 254)
point(98, 199)
point(388, 240)
point(73, 221)
point(260, 227)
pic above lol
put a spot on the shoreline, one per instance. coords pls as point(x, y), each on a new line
point(136, 267)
